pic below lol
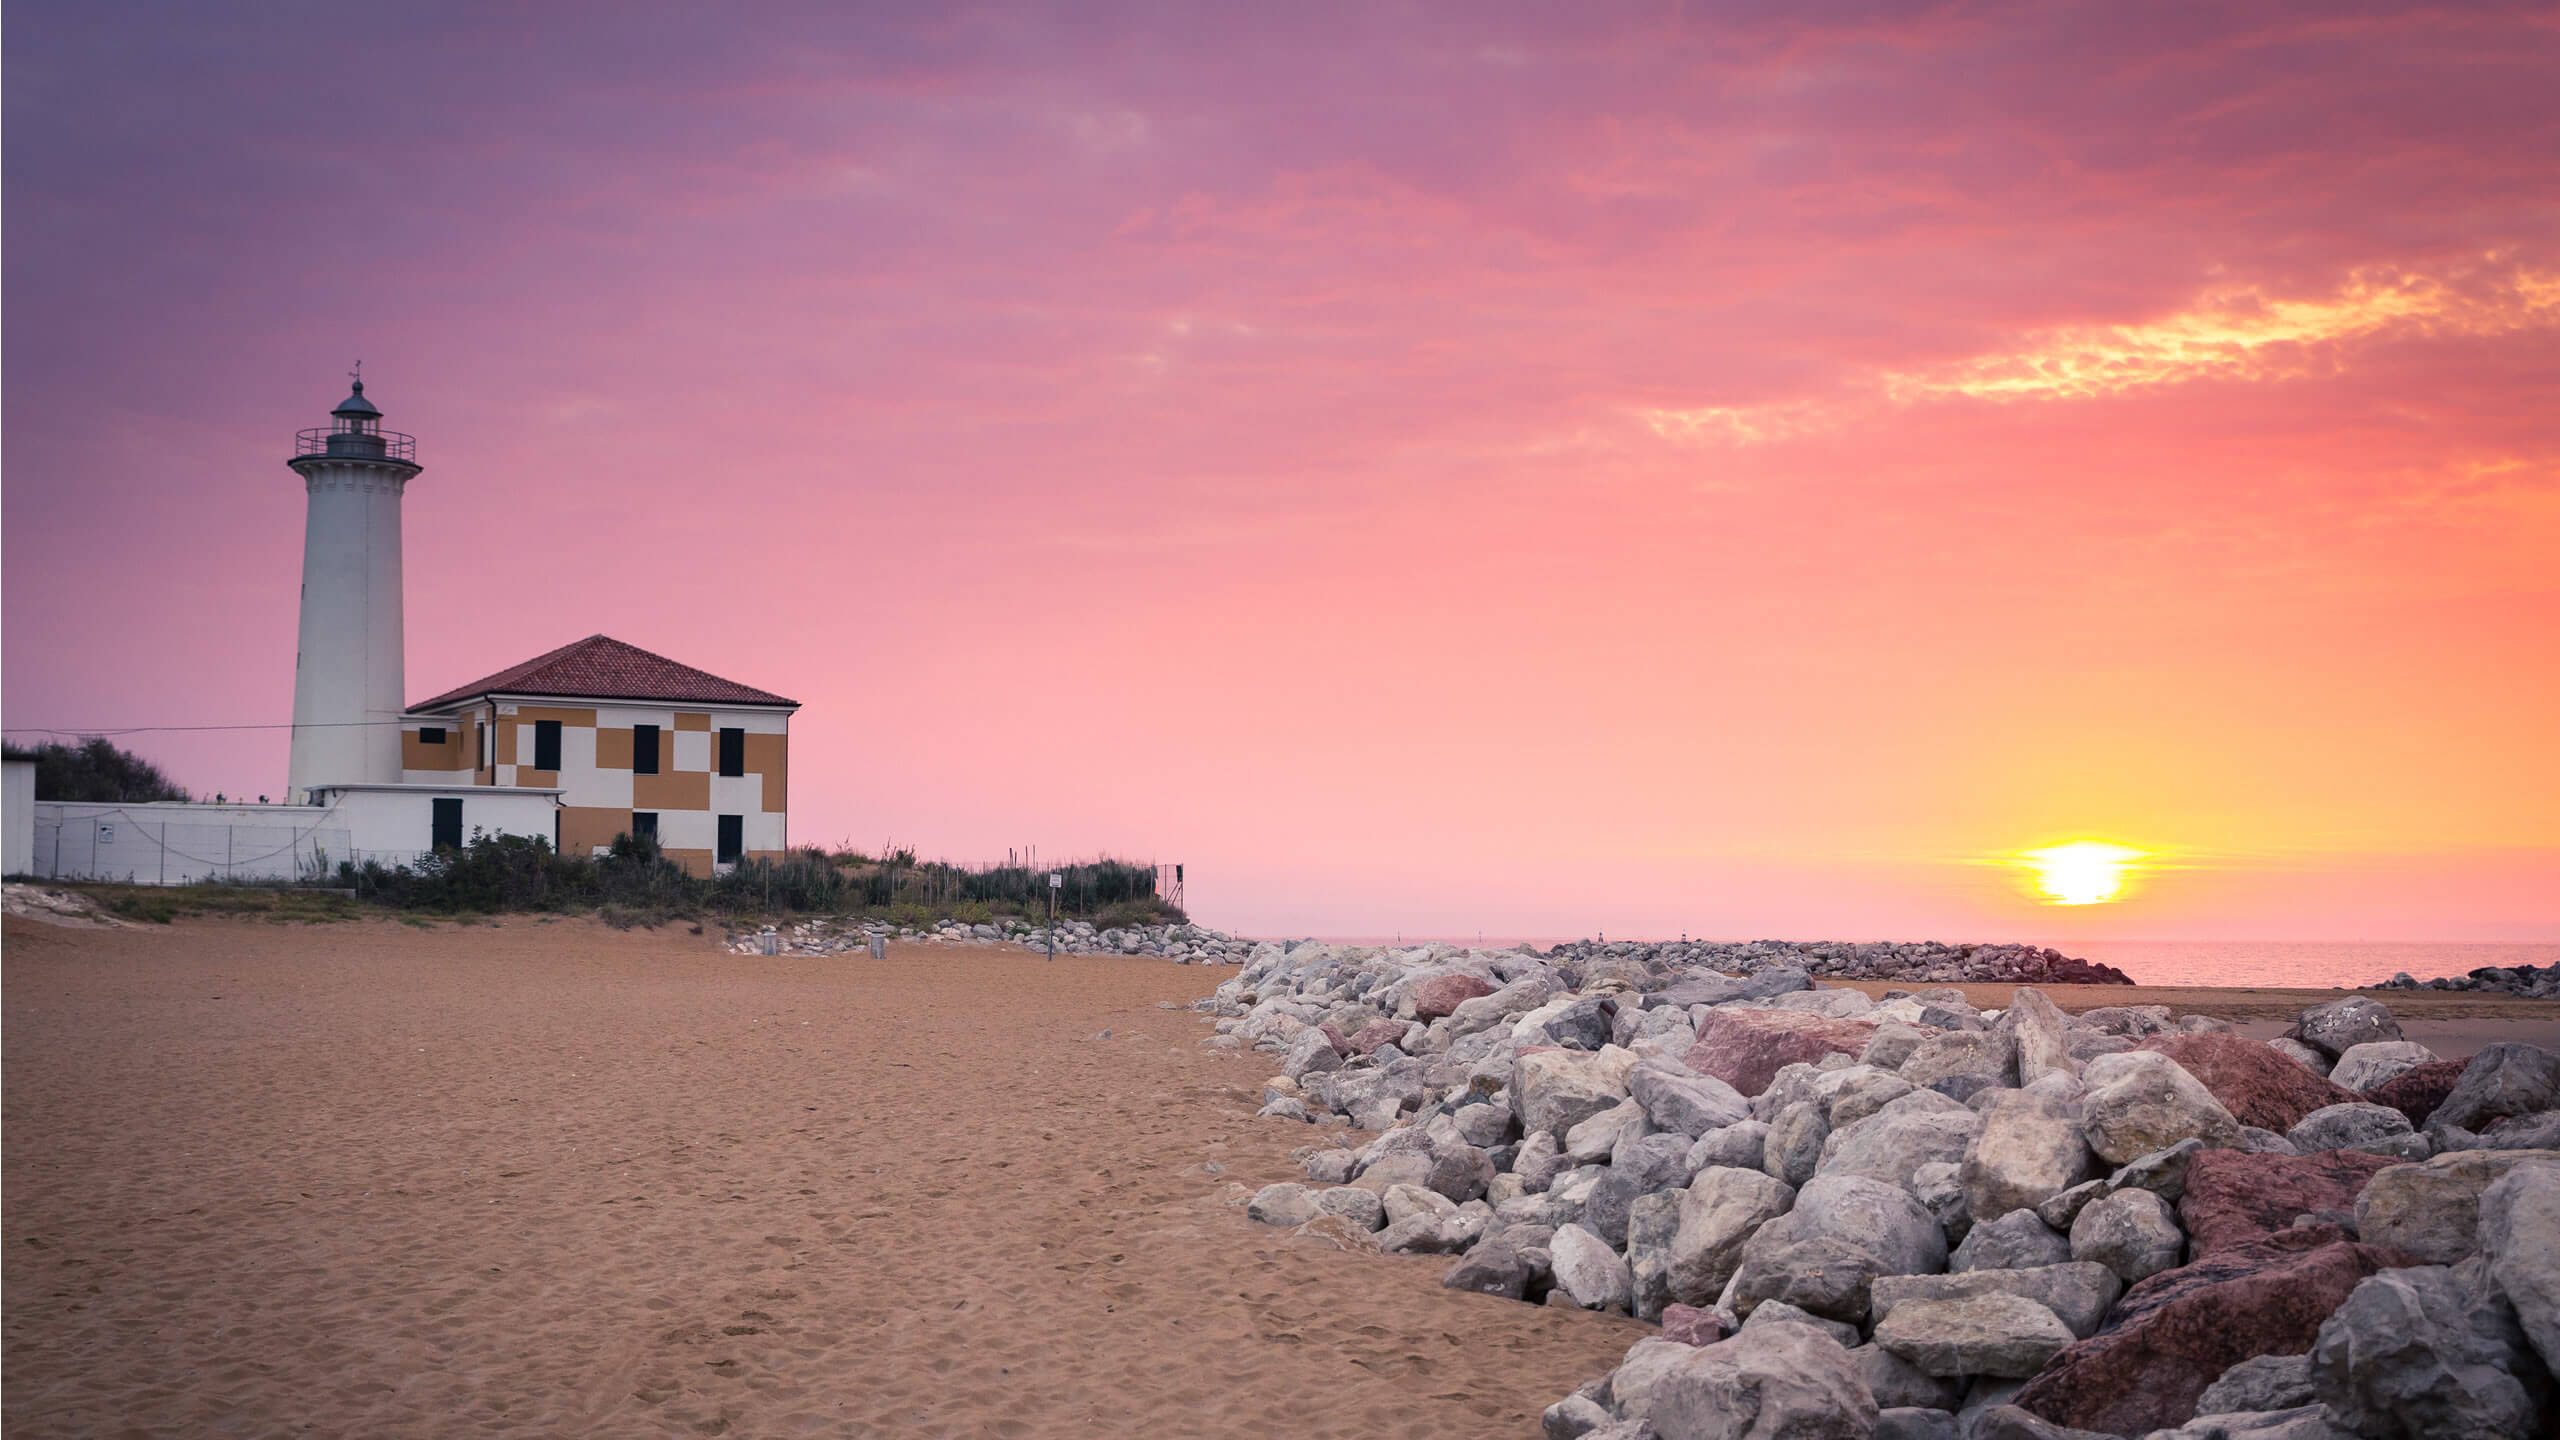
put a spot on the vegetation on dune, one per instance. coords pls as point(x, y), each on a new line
point(161, 904)
point(635, 884)
point(1086, 887)
point(96, 771)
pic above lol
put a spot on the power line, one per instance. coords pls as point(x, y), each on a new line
point(171, 729)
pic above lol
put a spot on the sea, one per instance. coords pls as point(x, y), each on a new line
point(2234, 964)
point(2299, 964)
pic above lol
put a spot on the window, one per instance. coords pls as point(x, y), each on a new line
point(546, 744)
point(644, 749)
point(733, 839)
point(430, 734)
point(488, 745)
point(733, 751)
point(445, 833)
point(644, 824)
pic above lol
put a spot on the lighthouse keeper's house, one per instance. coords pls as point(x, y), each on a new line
point(634, 742)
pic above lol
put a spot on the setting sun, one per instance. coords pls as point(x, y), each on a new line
point(2084, 872)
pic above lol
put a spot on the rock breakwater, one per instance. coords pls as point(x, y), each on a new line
point(2539, 982)
point(1185, 944)
point(1910, 1217)
point(1926, 961)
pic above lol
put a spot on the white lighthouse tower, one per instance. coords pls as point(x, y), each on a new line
point(347, 681)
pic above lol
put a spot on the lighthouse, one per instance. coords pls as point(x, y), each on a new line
point(347, 681)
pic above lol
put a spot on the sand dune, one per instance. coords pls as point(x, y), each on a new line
point(547, 1178)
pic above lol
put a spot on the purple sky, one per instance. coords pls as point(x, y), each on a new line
point(1736, 469)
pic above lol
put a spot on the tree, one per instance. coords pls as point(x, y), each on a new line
point(96, 770)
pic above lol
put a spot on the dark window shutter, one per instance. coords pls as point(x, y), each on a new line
point(447, 825)
point(644, 749)
point(733, 838)
point(644, 823)
point(546, 744)
point(430, 734)
point(733, 751)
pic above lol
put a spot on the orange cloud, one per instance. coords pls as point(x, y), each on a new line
point(2230, 333)
point(2242, 333)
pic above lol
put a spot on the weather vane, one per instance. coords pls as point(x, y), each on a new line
point(357, 374)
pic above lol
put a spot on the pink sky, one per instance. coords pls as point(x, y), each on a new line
point(1727, 469)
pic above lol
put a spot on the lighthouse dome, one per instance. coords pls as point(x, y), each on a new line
point(356, 407)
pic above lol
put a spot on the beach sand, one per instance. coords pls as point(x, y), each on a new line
point(554, 1179)
point(550, 1178)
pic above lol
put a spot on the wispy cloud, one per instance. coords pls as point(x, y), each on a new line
point(2243, 333)
point(2230, 333)
point(1736, 424)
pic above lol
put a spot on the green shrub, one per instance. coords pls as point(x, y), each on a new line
point(640, 885)
point(160, 905)
point(144, 906)
point(490, 874)
point(95, 770)
point(1128, 914)
point(804, 879)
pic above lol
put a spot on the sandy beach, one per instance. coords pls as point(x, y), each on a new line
point(550, 1178)
point(554, 1179)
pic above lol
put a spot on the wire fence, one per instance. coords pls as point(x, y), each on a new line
point(148, 849)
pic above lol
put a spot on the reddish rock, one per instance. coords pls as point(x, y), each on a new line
point(2234, 1198)
point(1334, 1038)
point(2175, 1333)
point(2258, 1086)
point(2416, 1092)
point(2071, 970)
point(1375, 1034)
point(1747, 1048)
point(1438, 995)
point(1691, 1325)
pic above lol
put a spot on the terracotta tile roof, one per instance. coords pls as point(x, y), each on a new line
point(603, 668)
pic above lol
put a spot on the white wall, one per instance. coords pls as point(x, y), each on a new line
point(175, 844)
point(400, 822)
point(18, 819)
point(692, 748)
point(178, 844)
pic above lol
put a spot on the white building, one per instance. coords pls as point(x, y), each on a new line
point(347, 691)
point(574, 746)
point(636, 743)
point(18, 818)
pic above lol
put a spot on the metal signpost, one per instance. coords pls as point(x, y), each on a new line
point(1055, 880)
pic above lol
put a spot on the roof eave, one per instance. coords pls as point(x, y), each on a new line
point(449, 704)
